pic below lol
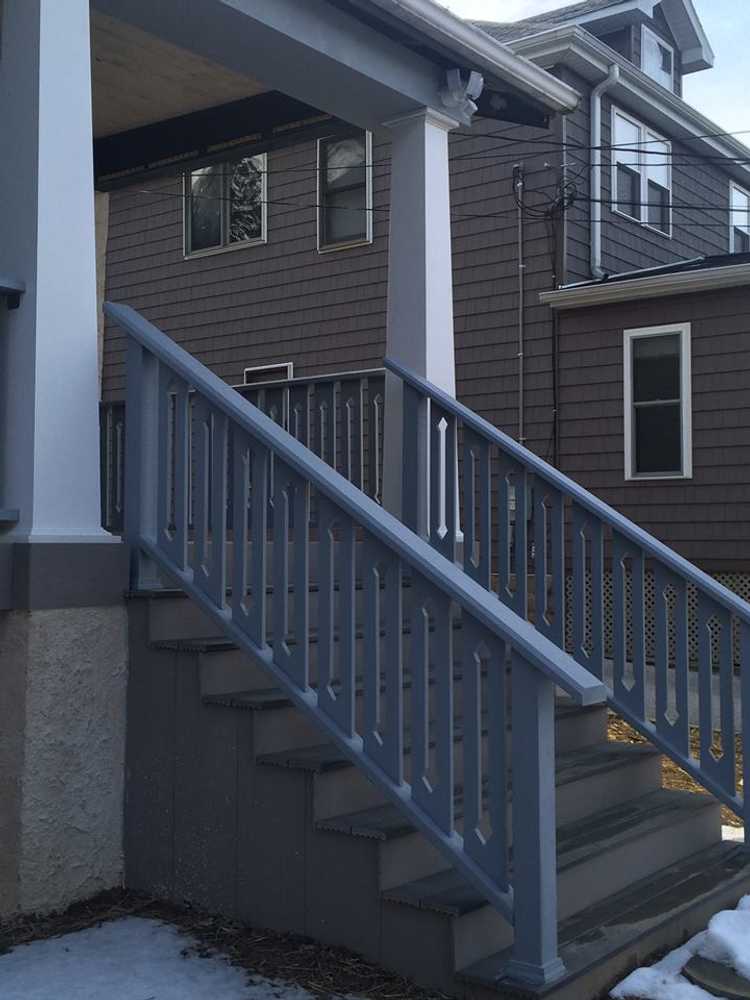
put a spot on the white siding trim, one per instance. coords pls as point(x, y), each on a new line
point(686, 403)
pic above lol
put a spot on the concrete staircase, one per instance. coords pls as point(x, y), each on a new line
point(236, 804)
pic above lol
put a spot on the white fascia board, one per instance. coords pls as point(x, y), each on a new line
point(482, 52)
point(654, 287)
point(592, 58)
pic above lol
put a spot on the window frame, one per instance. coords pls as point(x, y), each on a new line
point(686, 403)
point(645, 29)
point(643, 131)
point(189, 254)
point(368, 238)
point(734, 186)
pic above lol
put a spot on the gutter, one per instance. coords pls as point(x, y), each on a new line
point(649, 287)
point(481, 51)
point(610, 80)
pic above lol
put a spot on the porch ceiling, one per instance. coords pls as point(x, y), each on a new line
point(138, 79)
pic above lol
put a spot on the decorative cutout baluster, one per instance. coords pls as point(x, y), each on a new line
point(376, 403)
point(477, 526)
point(549, 562)
point(672, 721)
point(717, 758)
point(629, 674)
point(351, 401)
point(174, 437)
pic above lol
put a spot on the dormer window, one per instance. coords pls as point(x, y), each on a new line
point(739, 220)
point(657, 58)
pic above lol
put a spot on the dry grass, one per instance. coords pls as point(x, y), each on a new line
point(323, 971)
point(672, 775)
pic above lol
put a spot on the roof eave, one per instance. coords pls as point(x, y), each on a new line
point(480, 51)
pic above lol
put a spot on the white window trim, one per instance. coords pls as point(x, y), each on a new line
point(664, 44)
point(642, 129)
point(734, 186)
point(189, 254)
point(369, 236)
point(686, 405)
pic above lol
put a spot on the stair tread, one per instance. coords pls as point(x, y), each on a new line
point(387, 822)
point(327, 756)
point(252, 701)
point(608, 927)
point(448, 892)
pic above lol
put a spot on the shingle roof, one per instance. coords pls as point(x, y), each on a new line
point(506, 32)
point(679, 267)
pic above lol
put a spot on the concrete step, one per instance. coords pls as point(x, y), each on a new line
point(603, 943)
point(588, 780)
point(597, 857)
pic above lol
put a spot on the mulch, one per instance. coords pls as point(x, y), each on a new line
point(323, 971)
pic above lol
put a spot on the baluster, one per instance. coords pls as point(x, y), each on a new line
point(249, 488)
point(535, 957)
point(549, 548)
point(677, 731)
point(744, 640)
point(520, 603)
point(290, 651)
point(337, 555)
point(484, 654)
point(629, 687)
point(260, 471)
point(443, 513)
point(383, 738)
point(325, 419)
point(376, 403)
point(142, 460)
point(301, 578)
point(477, 509)
point(578, 601)
point(436, 651)
point(712, 619)
point(596, 546)
point(174, 440)
point(202, 428)
point(299, 413)
point(352, 405)
point(504, 544)
point(414, 474)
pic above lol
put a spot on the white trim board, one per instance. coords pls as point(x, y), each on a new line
point(686, 403)
point(656, 286)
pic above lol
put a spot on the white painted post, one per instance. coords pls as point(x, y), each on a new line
point(420, 274)
point(49, 424)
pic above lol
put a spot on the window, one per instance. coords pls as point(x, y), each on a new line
point(344, 191)
point(657, 58)
point(739, 220)
point(658, 417)
point(641, 173)
point(225, 205)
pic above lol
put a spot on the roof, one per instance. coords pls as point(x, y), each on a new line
point(507, 31)
point(685, 276)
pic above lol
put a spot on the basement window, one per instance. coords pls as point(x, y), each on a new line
point(657, 58)
point(739, 220)
point(225, 206)
point(344, 191)
point(658, 417)
point(641, 173)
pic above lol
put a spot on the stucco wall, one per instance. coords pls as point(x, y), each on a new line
point(62, 740)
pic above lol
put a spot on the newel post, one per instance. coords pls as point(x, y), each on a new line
point(535, 959)
point(141, 462)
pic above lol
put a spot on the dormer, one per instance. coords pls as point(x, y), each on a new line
point(663, 38)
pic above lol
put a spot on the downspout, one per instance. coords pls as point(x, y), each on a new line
point(518, 181)
point(596, 168)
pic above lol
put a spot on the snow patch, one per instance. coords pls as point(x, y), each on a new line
point(130, 959)
point(727, 940)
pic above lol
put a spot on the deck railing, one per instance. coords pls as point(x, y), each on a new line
point(539, 541)
point(339, 417)
point(388, 609)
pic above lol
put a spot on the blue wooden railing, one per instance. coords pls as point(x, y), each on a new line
point(388, 608)
point(635, 608)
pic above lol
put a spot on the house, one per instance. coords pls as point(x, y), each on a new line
point(379, 720)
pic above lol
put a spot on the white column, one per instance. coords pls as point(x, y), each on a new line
point(420, 274)
point(49, 422)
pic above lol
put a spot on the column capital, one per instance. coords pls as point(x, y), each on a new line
point(430, 116)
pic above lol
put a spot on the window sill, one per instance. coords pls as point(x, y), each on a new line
point(643, 225)
point(230, 248)
point(650, 477)
point(335, 247)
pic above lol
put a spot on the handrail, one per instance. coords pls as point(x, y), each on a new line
point(583, 551)
point(384, 602)
point(325, 379)
point(542, 654)
point(576, 492)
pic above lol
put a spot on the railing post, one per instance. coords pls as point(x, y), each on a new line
point(535, 959)
point(141, 463)
point(744, 639)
